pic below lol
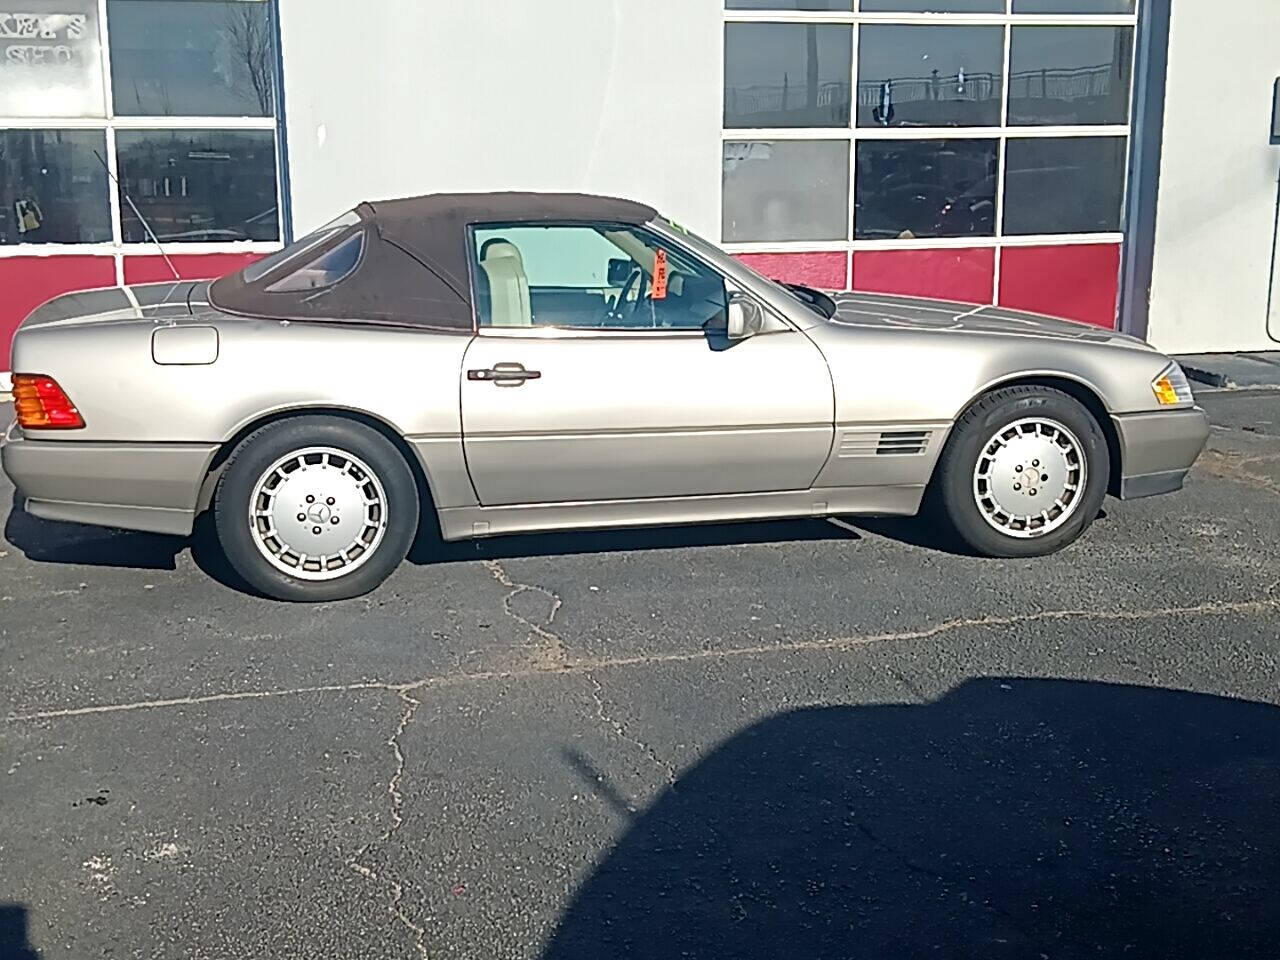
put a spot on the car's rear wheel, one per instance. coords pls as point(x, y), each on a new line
point(315, 508)
point(1024, 472)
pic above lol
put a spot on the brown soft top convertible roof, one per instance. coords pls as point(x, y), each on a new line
point(413, 261)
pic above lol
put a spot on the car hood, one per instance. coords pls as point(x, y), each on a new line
point(151, 301)
point(886, 312)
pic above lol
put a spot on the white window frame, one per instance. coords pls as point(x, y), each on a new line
point(852, 134)
point(112, 123)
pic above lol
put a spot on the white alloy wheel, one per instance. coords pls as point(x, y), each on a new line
point(1030, 477)
point(318, 513)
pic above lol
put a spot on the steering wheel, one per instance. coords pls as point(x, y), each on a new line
point(620, 314)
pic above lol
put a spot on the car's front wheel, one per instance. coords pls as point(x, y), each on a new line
point(315, 508)
point(1024, 472)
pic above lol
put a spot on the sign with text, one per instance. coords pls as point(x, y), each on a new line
point(50, 59)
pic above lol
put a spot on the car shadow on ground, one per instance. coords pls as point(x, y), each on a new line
point(52, 541)
point(48, 541)
point(430, 548)
point(14, 944)
point(1012, 818)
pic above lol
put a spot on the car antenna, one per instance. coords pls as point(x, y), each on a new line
point(138, 213)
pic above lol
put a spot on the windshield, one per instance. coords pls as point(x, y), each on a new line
point(814, 300)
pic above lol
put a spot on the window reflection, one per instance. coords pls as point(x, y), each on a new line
point(933, 6)
point(1069, 6)
point(1064, 185)
point(53, 189)
point(1070, 75)
point(787, 75)
point(836, 5)
point(786, 190)
point(925, 188)
point(198, 58)
point(199, 185)
point(930, 76)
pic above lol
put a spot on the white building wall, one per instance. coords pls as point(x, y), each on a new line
point(399, 97)
point(1218, 180)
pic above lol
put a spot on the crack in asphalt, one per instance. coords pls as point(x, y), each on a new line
point(589, 665)
point(550, 653)
point(395, 886)
point(620, 730)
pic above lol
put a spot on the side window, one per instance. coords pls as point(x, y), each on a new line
point(591, 276)
point(325, 270)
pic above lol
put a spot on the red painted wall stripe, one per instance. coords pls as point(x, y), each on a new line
point(27, 282)
point(967, 276)
point(190, 266)
point(825, 271)
point(1076, 282)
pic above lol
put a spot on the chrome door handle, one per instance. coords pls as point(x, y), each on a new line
point(505, 374)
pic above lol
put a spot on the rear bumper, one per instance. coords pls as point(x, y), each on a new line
point(1157, 450)
point(134, 486)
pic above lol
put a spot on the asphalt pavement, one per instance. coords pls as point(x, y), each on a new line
point(799, 739)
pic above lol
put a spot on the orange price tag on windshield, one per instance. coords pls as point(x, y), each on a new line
point(659, 291)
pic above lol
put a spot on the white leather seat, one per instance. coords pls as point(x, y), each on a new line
point(508, 285)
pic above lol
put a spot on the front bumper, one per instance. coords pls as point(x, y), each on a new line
point(133, 486)
point(1158, 449)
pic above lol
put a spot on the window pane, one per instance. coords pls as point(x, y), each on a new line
point(925, 188)
point(840, 5)
point(52, 187)
point(326, 270)
point(786, 190)
point(1069, 6)
point(199, 58)
point(50, 60)
point(1064, 185)
point(598, 277)
point(199, 185)
point(1070, 75)
point(929, 76)
point(300, 247)
point(787, 74)
point(933, 6)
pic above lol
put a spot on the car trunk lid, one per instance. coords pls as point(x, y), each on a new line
point(151, 301)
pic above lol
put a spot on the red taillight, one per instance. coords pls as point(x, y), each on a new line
point(41, 404)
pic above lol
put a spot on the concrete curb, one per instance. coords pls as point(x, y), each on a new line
point(1208, 378)
point(1249, 370)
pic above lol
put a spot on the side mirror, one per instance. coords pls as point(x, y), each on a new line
point(746, 317)
point(619, 272)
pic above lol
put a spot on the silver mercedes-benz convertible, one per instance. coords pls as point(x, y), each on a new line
point(522, 362)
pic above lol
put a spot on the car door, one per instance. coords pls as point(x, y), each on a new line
point(578, 388)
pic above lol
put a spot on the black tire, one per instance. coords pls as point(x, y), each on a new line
point(952, 493)
point(264, 447)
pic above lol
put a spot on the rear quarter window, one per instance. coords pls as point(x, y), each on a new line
point(326, 270)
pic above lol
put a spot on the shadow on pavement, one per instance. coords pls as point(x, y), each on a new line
point(14, 944)
point(430, 548)
point(51, 541)
point(1011, 818)
point(923, 531)
point(48, 541)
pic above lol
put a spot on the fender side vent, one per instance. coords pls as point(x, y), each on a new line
point(907, 443)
